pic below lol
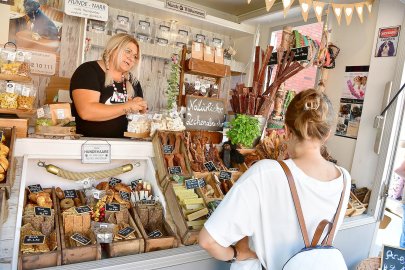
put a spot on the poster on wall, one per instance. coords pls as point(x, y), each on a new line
point(351, 102)
point(387, 41)
point(36, 26)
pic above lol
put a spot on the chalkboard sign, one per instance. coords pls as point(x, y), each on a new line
point(201, 182)
point(393, 258)
point(301, 54)
point(125, 196)
point(113, 181)
point(168, 149)
point(112, 207)
point(81, 239)
point(83, 209)
point(233, 169)
point(34, 239)
point(191, 183)
point(210, 166)
point(155, 234)
point(175, 170)
point(126, 231)
point(42, 211)
point(35, 188)
point(135, 183)
point(204, 113)
point(70, 194)
point(224, 175)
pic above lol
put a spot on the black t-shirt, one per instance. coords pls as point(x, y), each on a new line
point(91, 76)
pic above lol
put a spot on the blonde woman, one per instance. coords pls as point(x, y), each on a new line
point(104, 91)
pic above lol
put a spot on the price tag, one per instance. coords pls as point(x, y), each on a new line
point(112, 207)
point(201, 182)
point(70, 194)
point(126, 232)
point(81, 239)
point(42, 211)
point(197, 85)
point(25, 92)
point(157, 117)
point(87, 182)
point(83, 209)
point(183, 33)
point(10, 88)
point(164, 28)
point(34, 239)
point(35, 188)
point(191, 183)
point(151, 202)
point(135, 183)
point(60, 113)
point(175, 170)
point(210, 166)
point(113, 181)
point(168, 149)
point(200, 37)
point(155, 234)
point(11, 56)
point(224, 175)
point(125, 196)
point(197, 47)
point(234, 169)
point(207, 49)
point(144, 23)
point(20, 56)
point(40, 112)
point(219, 52)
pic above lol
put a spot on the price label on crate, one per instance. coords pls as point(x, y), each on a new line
point(175, 170)
point(201, 182)
point(125, 195)
point(224, 175)
point(155, 234)
point(70, 194)
point(168, 149)
point(34, 239)
point(191, 183)
point(35, 188)
point(135, 183)
point(83, 209)
point(42, 211)
point(210, 166)
point(112, 207)
point(233, 169)
point(81, 239)
point(126, 232)
point(113, 181)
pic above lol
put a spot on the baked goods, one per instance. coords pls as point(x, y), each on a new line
point(59, 193)
point(102, 186)
point(66, 203)
point(4, 150)
point(122, 187)
point(3, 164)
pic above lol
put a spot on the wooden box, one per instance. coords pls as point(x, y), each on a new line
point(55, 130)
point(197, 50)
point(47, 259)
point(219, 56)
point(21, 126)
point(129, 246)
point(8, 182)
point(209, 53)
point(3, 207)
point(153, 244)
point(209, 180)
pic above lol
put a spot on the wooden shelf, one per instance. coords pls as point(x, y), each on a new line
point(204, 68)
point(19, 113)
point(15, 78)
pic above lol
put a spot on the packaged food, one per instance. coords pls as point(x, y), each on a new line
point(143, 29)
point(121, 24)
point(138, 123)
point(8, 98)
point(103, 231)
point(182, 37)
point(26, 97)
point(60, 112)
point(163, 34)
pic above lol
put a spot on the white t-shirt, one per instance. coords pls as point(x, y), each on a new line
point(260, 205)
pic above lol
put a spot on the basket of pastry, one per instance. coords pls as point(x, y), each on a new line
point(7, 136)
point(39, 235)
point(188, 209)
point(149, 216)
point(77, 239)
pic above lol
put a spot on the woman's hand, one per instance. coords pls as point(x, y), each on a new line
point(243, 250)
point(137, 104)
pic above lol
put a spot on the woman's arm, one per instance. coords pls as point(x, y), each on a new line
point(89, 108)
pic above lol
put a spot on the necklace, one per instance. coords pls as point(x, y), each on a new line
point(120, 97)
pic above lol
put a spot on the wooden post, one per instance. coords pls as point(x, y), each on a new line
point(181, 81)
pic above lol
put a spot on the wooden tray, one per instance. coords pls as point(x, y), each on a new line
point(21, 126)
point(55, 130)
point(357, 206)
point(137, 135)
point(209, 179)
point(8, 182)
point(48, 259)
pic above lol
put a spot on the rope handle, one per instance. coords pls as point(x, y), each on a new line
point(10, 43)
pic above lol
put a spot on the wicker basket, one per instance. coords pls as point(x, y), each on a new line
point(369, 264)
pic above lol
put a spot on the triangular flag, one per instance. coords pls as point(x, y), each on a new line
point(287, 4)
point(369, 5)
point(318, 7)
point(349, 9)
point(338, 10)
point(249, 1)
point(359, 8)
point(269, 4)
point(305, 6)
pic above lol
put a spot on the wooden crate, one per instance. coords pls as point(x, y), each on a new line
point(209, 179)
point(153, 244)
point(55, 130)
point(3, 207)
point(129, 246)
point(47, 259)
point(21, 126)
point(8, 182)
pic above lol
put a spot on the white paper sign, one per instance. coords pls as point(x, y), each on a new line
point(96, 153)
point(43, 63)
point(87, 9)
point(185, 9)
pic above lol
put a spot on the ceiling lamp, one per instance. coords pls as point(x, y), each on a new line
point(305, 5)
point(287, 4)
point(318, 7)
point(269, 4)
point(338, 10)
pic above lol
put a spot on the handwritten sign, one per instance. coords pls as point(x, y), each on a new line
point(155, 234)
point(83, 209)
point(125, 196)
point(87, 9)
point(135, 183)
point(112, 207)
point(126, 231)
point(175, 170)
point(301, 54)
point(34, 239)
point(35, 188)
point(81, 239)
point(224, 175)
point(70, 194)
point(191, 183)
point(204, 113)
point(393, 258)
point(210, 166)
point(167, 149)
point(42, 211)
point(113, 181)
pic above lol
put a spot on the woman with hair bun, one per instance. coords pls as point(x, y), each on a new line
point(259, 206)
point(104, 91)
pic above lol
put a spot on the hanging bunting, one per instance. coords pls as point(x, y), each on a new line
point(269, 4)
point(318, 7)
point(369, 5)
point(287, 4)
point(249, 1)
point(338, 10)
point(349, 9)
point(305, 6)
point(359, 9)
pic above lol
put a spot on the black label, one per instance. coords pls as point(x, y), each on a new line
point(201, 182)
point(192, 183)
point(81, 239)
point(155, 234)
point(233, 169)
point(70, 194)
point(125, 195)
point(301, 54)
point(393, 258)
point(34, 239)
point(162, 41)
point(112, 207)
point(42, 211)
point(113, 181)
point(168, 149)
point(210, 166)
point(224, 175)
point(152, 202)
point(175, 170)
point(135, 183)
point(83, 209)
point(35, 188)
point(126, 231)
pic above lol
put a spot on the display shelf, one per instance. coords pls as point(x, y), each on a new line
point(21, 113)
point(15, 78)
point(205, 68)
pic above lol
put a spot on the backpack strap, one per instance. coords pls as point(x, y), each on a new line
point(297, 203)
point(318, 232)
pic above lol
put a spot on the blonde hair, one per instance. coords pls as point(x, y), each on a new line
point(118, 43)
point(310, 115)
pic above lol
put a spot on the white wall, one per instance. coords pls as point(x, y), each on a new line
point(4, 22)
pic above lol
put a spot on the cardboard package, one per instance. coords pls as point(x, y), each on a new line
point(197, 50)
point(209, 53)
point(219, 55)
